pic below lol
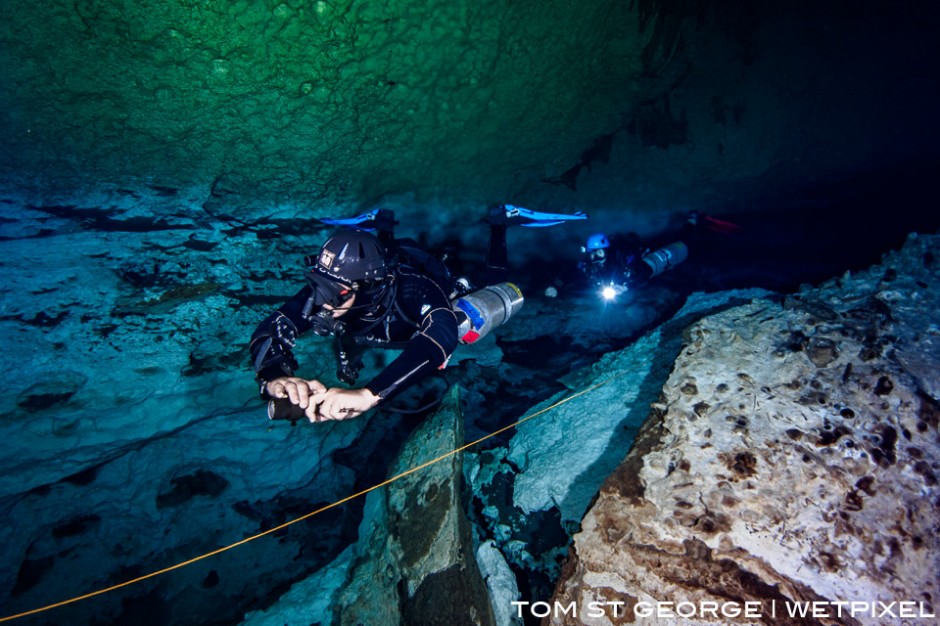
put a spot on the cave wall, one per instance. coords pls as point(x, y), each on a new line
point(162, 166)
point(611, 107)
point(314, 99)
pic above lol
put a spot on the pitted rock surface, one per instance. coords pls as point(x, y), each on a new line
point(791, 458)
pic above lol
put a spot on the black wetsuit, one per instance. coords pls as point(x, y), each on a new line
point(418, 319)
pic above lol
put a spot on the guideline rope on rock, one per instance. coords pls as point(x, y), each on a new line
point(275, 529)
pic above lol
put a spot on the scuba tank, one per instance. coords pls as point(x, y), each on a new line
point(666, 257)
point(656, 262)
point(485, 309)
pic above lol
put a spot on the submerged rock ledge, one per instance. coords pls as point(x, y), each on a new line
point(414, 562)
point(791, 458)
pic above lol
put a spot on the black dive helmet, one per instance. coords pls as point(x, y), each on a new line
point(352, 256)
point(349, 261)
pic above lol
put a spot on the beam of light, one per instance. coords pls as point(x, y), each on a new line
point(611, 291)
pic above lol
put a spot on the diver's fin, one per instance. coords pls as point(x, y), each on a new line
point(722, 226)
point(350, 221)
point(381, 219)
point(540, 224)
point(511, 215)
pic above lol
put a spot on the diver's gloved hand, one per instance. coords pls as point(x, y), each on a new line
point(297, 389)
point(340, 404)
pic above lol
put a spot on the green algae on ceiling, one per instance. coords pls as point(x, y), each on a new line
point(326, 99)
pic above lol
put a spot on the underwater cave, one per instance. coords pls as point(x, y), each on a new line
point(757, 421)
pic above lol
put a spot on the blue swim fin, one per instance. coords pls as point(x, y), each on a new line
point(381, 219)
point(511, 215)
point(350, 221)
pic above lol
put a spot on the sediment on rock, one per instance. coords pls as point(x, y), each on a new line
point(790, 460)
point(415, 560)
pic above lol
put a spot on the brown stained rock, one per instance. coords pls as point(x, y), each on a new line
point(625, 479)
point(822, 351)
point(445, 599)
point(415, 560)
point(795, 482)
point(743, 464)
point(928, 412)
point(418, 523)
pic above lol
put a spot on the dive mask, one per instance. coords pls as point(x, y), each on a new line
point(328, 291)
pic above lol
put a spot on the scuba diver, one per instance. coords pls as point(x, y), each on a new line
point(615, 265)
point(374, 290)
point(614, 270)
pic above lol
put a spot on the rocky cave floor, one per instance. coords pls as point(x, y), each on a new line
point(554, 336)
point(551, 337)
point(777, 251)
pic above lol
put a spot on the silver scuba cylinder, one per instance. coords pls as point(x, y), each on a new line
point(666, 258)
point(485, 309)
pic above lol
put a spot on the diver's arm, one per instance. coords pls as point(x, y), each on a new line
point(427, 351)
point(421, 299)
point(271, 345)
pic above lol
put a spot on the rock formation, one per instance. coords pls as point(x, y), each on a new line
point(791, 459)
point(262, 109)
point(163, 166)
point(414, 562)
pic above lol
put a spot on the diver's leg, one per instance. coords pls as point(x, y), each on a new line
point(384, 222)
point(502, 216)
point(497, 256)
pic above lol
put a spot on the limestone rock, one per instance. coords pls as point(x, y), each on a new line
point(307, 600)
point(564, 455)
point(792, 458)
point(500, 582)
point(309, 106)
point(415, 562)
